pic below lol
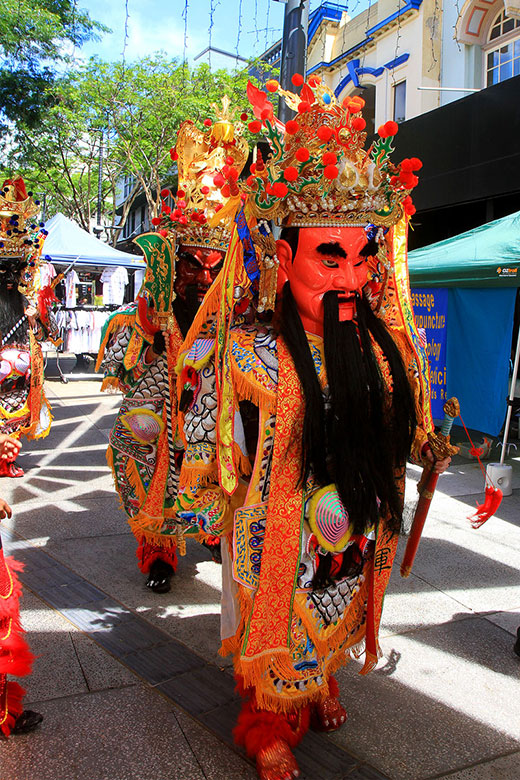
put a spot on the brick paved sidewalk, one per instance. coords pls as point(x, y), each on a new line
point(130, 683)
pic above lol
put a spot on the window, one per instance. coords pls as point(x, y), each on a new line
point(128, 185)
point(503, 61)
point(400, 102)
point(502, 25)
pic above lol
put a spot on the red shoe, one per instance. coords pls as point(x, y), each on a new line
point(328, 715)
point(276, 762)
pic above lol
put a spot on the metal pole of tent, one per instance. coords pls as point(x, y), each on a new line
point(510, 400)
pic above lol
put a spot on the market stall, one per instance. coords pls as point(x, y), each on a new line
point(465, 291)
point(97, 280)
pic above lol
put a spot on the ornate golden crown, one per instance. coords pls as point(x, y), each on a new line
point(21, 238)
point(209, 164)
point(318, 172)
point(18, 232)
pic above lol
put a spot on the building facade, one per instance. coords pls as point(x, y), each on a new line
point(408, 57)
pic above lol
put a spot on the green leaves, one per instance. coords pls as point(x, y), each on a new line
point(35, 37)
point(139, 106)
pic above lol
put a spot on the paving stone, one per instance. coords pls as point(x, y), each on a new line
point(84, 515)
point(125, 734)
point(317, 756)
point(503, 768)
point(124, 637)
point(449, 697)
point(200, 690)
point(161, 663)
point(509, 620)
point(214, 756)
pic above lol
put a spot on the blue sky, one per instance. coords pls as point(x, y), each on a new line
point(159, 25)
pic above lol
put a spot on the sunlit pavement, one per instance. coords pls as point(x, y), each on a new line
point(444, 701)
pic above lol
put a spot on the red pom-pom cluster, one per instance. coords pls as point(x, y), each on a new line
point(329, 158)
point(330, 172)
point(325, 133)
point(411, 164)
point(406, 177)
point(408, 206)
point(292, 127)
point(290, 173)
point(302, 154)
point(279, 189)
point(387, 130)
point(354, 104)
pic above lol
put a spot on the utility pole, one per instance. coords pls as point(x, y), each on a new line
point(294, 48)
point(99, 229)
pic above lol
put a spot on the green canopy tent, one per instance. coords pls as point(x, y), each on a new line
point(480, 270)
point(487, 256)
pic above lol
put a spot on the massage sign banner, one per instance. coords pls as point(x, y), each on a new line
point(430, 307)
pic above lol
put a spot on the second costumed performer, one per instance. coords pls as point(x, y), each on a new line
point(140, 342)
point(328, 402)
point(26, 320)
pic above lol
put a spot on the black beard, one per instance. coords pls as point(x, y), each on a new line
point(357, 443)
point(186, 308)
point(12, 309)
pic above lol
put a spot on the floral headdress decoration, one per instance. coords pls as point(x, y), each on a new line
point(209, 164)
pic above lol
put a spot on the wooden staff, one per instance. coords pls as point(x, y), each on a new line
point(441, 448)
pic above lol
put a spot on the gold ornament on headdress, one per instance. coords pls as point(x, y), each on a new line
point(20, 238)
point(17, 211)
point(208, 161)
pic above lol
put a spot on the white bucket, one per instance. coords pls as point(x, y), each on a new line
point(500, 475)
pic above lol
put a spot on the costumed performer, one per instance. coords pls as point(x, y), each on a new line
point(140, 342)
point(327, 403)
point(15, 656)
point(25, 320)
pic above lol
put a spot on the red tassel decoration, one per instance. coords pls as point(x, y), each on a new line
point(258, 729)
point(493, 495)
point(488, 508)
point(11, 705)
point(15, 657)
point(147, 553)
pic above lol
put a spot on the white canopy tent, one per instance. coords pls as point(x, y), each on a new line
point(68, 243)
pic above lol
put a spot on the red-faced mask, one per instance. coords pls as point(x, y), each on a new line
point(198, 266)
point(327, 258)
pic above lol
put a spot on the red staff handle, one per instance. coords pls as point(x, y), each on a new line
point(441, 448)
